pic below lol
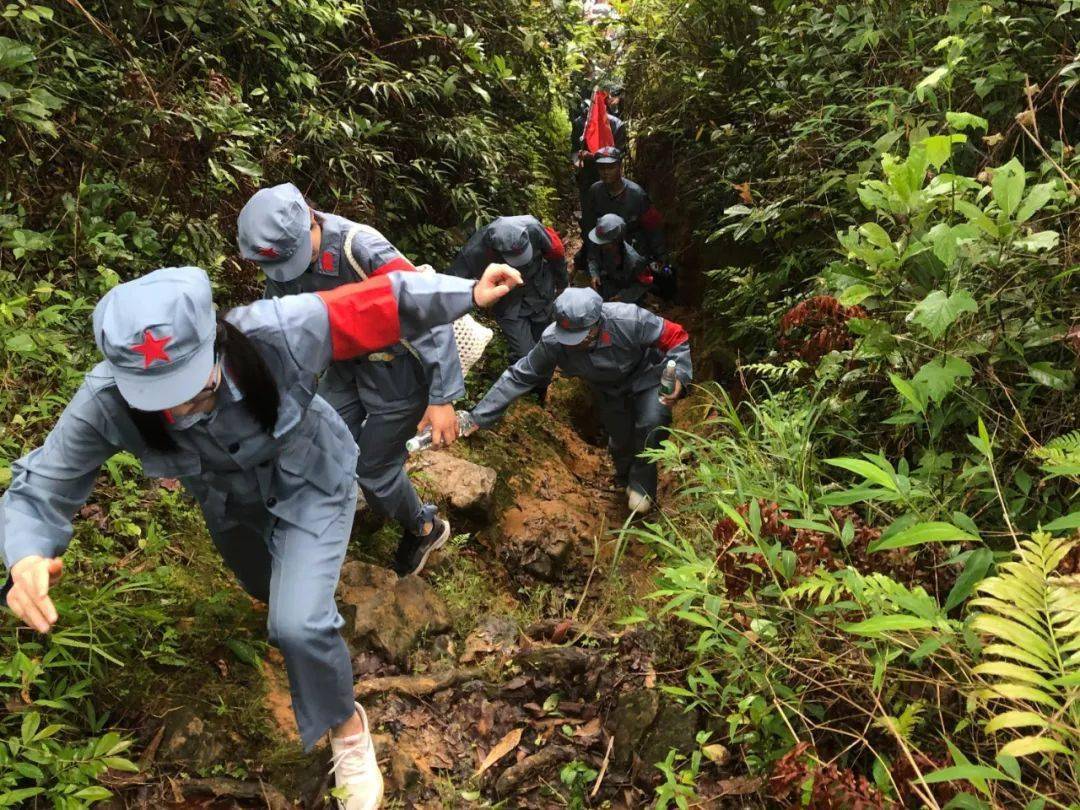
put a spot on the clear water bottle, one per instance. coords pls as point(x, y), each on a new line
point(422, 440)
point(667, 380)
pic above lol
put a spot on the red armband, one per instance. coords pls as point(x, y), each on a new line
point(671, 335)
point(651, 219)
point(556, 251)
point(394, 265)
point(363, 317)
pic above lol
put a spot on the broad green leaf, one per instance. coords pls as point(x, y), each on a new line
point(974, 570)
point(966, 772)
point(1014, 672)
point(964, 120)
point(930, 81)
point(1033, 243)
point(938, 377)
point(885, 624)
point(1069, 521)
point(854, 295)
point(1015, 719)
point(937, 312)
point(920, 533)
point(1038, 197)
point(1033, 745)
point(1007, 186)
point(876, 235)
point(909, 392)
point(1015, 632)
point(1048, 374)
point(871, 472)
point(939, 148)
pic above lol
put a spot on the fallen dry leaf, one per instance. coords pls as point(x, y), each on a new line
point(993, 140)
point(744, 192)
point(503, 747)
point(717, 753)
point(589, 730)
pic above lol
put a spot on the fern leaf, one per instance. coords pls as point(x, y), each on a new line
point(1031, 665)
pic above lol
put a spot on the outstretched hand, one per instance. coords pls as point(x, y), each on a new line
point(443, 421)
point(497, 281)
point(29, 595)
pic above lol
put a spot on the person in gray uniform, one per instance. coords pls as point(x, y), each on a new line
point(537, 251)
point(384, 397)
point(228, 404)
point(614, 194)
point(620, 350)
point(616, 270)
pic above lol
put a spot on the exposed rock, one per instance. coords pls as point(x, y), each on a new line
point(562, 662)
point(541, 550)
point(629, 722)
point(674, 727)
point(388, 613)
point(494, 633)
point(463, 485)
point(191, 740)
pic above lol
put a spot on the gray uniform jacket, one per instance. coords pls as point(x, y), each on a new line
point(543, 277)
point(621, 270)
point(227, 462)
point(644, 223)
point(377, 256)
point(630, 353)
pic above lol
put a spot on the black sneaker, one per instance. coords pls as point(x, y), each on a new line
point(413, 552)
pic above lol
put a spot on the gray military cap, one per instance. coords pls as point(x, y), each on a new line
point(609, 228)
point(577, 310)
point(609, 154)
point(274, 229)
point(511, 241)
point(157, 334)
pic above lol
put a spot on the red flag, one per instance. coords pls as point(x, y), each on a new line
point(598, 128)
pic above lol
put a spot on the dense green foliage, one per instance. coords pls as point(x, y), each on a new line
point(131, 133)
point(902, 180)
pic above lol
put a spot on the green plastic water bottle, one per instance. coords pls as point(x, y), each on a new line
point(667, 380)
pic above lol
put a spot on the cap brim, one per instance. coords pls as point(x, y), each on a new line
point(521, 259)
point(602, 161)
point(571, 337)
point(597, 239)
point(295, 265)
point(148, 391)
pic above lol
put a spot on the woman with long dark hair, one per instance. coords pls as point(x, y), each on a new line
point(229, 406)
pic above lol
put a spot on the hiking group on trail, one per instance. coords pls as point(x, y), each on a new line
point(274, 414)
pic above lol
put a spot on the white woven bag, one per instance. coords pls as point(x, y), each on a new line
point(471, 336)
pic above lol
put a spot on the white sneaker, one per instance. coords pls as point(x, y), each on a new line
point(638, 501)
point(356, 769)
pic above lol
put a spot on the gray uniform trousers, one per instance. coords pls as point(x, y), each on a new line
point(522, 333)
point(295, 572)
point(381, 427)
point(634, 421)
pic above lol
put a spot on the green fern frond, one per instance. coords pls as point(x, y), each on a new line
point(1031, 668)
point(821, 586)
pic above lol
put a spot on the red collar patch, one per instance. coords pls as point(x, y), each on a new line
point(152, 349)
point(605, 338)
point(326, 261)
point(268, 252)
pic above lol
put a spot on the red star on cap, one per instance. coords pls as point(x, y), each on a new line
point(152, 348)
point(268, 252)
